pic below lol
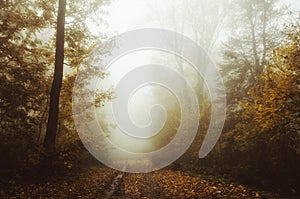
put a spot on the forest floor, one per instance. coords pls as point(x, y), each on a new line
point(103, 182)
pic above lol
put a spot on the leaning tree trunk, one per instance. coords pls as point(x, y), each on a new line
point(52, 124)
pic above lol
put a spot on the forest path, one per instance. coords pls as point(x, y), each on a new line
point(104, 183)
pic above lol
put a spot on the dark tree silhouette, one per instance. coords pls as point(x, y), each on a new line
point(52, 125)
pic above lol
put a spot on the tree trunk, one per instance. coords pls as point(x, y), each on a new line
point(52, 124)
point(254, 40)
point(43, 118)
point(264, 35)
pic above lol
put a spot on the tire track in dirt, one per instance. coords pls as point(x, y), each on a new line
point(114, 187)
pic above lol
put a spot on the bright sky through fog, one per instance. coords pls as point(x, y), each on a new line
point(127, 15)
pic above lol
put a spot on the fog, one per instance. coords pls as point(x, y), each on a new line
point(207, 24)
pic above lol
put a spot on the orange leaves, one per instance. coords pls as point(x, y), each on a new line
point(68, 165)
point(133, 186)
point(97, 182)
point(87, 184)
point(274, 101)
point(176, 184)
point(140, 186)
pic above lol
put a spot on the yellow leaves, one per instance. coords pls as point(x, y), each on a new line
point(257, 195)
point(242, 188)
point(272, 99)
point(97, 182)
point(176, 184)
point(90, 183)
point(68, 165)
point(260, 108)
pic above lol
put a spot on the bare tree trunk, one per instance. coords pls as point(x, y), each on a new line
point(52, 125)
point(263, 59)
point(43, 118)
point(253, 36)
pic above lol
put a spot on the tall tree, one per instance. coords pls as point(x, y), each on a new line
point(272, 114)
point(79, 42)
point(52, 124)
point(254, 31)
point(24, 59)
point(27, 51)
point(273, 104)
point(260, 137)
point(252, 34)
